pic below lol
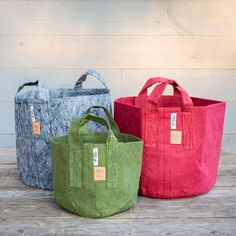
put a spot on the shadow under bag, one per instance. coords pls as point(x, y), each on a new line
point(182, 139)
point(96, 174)
point(44, 113)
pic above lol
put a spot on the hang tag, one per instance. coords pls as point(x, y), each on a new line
point(173, 120)
point(99, 173)
point(36, 127)
point(95, 156)
point(175, 137)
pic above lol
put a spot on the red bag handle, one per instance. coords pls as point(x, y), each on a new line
point(159, 89)
point(153, 81)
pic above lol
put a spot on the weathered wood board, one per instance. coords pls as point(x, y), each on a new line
point(28, 211)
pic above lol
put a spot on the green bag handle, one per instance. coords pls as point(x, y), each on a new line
point(89, 117)
point(112, 122)
point(78, 123)
point(75, 151)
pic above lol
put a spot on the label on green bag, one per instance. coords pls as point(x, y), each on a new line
point(95, 156)
point(99, 173)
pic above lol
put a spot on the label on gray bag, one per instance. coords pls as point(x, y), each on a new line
point(32, 113)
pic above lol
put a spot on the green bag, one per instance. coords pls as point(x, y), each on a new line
point(96, 174)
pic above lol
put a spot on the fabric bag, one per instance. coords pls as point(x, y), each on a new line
point(96, 174)
point(182, 139)
point(44, 113)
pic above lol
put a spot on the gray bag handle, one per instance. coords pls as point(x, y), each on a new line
point(82, 79)
point(42, 90)
point(27, 84)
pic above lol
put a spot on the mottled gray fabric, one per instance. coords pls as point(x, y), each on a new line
point(55, 110)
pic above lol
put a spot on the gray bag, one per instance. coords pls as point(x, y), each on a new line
point(44, 113)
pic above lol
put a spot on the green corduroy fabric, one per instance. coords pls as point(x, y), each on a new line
point(74, 181)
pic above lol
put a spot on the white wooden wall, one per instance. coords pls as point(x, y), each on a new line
point(193, 42)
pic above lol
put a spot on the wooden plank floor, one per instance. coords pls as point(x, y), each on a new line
point(28, 211)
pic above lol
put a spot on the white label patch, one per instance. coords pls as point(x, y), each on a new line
point(173, 120)
point(32, 113)
point(95, 156)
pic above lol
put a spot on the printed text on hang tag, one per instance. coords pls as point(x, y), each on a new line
point(99, 173)
point(36, 127)
point(35, 124)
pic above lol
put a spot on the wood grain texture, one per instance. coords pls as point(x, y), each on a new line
point(117, 18)
point(118, 52)
point(151, 227)
point(228, 143)
point(15, 207)
point(7, 140)
point(56, 78)
point(28, 211)
point(124, 82)
point(211, 84)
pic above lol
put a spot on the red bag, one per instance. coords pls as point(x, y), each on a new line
point(182, 139)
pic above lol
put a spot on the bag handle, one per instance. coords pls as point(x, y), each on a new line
point(75, 152)
point(112, 122)
point(159, 89)
point(27, 84)
point(79, 122)
point(162, 82)
point(82, 79)
point(42, 90)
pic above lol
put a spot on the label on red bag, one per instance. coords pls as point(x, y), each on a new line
point(95, 156)
point(173, 120)
point(99, 173)
point(36, 127)
point(175, 137)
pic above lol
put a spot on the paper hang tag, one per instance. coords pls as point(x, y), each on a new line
point(35, 124)
point(173, 120)
point(175, 137)
point(99, 173)
point(95, 156)
point(36, 127)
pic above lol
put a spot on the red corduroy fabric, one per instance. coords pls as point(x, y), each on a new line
point(171, 170)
